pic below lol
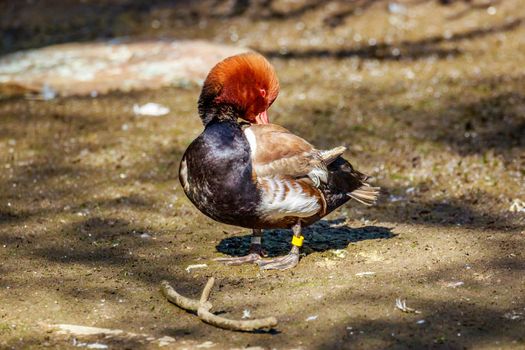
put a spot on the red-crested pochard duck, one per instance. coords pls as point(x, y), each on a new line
point(260, 175)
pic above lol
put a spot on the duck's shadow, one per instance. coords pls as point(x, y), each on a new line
point(321, 236)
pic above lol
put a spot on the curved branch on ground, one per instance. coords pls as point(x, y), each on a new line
point(202, 308)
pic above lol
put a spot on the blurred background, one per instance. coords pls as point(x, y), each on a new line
point(98, 103)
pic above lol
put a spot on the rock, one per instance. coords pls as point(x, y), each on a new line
point(84, 330)
point(365, 273)
point(166, 340)
point(100, 67)
point(150, 109)
point(517, 206)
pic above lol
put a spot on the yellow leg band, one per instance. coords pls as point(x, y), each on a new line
point(297, 241)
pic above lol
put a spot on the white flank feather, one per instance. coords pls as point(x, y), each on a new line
point(277, 203)
point(250, 136)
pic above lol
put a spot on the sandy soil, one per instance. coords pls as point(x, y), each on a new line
point(430, 100)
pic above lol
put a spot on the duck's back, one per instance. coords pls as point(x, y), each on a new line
point(216, 173)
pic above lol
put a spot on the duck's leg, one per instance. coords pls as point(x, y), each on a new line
point(287, 261)
point(254, 254)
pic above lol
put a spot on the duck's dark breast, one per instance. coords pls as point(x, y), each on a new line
point(216, 174)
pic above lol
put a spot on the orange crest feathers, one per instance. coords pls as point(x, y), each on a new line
point(246, 81)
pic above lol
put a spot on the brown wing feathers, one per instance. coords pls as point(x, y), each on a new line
point(279, 152)
point(294, 166)
point(332, 154)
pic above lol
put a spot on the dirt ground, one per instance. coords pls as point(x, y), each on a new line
point(429, 98)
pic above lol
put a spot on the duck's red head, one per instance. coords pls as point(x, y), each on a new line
point(247, 82)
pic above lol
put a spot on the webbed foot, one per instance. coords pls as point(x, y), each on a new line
point(254, 255)
point(247, 259)
point(280, 263)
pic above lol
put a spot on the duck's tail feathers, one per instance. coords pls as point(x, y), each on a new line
point(330, 155)
point(365, 194)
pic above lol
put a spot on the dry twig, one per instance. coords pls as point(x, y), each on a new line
point(202, 308)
